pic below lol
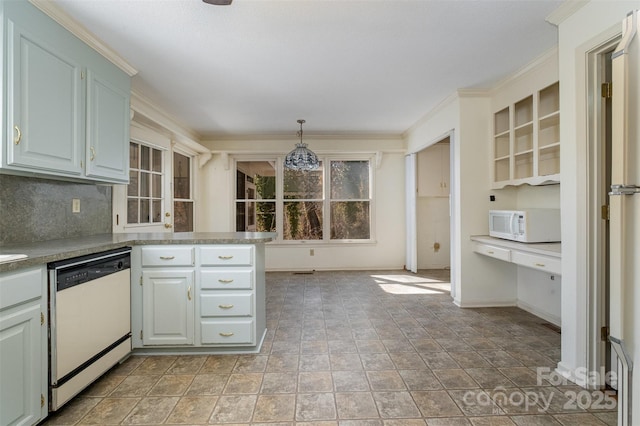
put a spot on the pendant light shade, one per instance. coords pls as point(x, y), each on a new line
point(301, 158)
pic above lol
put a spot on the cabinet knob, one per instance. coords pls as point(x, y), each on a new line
point(18, 136)
point(93, 154)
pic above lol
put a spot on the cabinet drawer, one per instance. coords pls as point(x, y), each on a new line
point(543, 263)
point(228, 279)
point(167, 256)
point(226, 255)
point(491, 251)
point(19, 287)
point(227, 332)
point(217, 304)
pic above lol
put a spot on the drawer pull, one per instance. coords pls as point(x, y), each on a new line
point(225, 306)
point(540, 265)
point(225, 257)
point(226, 334)
point(223, 281)
point(167, 257)
point(490, 252)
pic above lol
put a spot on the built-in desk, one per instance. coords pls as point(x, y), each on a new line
point(541, 256)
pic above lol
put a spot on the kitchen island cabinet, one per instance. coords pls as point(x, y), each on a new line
point(23, 347)
point(199, 297)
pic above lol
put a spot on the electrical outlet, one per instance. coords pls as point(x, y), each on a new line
point(312, 252)
point(75, 205)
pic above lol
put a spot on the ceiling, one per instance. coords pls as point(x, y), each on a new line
point(346, 66)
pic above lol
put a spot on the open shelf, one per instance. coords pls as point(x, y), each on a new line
point(526, 141)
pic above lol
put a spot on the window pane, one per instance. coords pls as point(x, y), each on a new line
point(156, 210)
point(183, 216)
point(260, 175)
point(157, 186)
point(181, 176)
point(350, 220)
point(157, 160)
point(265, 217)
point(144, 211)
point(132, 211)
point(134, 150)
point(349, 180)
point(302, 220)
point(241, 216)
point(132, 188)
point(301, 185)
point(144, 184)
point(144, 157)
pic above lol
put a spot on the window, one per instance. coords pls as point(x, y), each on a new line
point(332, 203)
point(144, 192)
point(303, 203)
point(256, 196)
point(182, 194)
point(350, 201)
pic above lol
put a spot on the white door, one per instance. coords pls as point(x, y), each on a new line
point(146, 203)
point(411, 226)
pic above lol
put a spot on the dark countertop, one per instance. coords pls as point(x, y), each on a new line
point(43, 252)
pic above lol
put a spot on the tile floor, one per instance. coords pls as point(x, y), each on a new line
point(375, 348)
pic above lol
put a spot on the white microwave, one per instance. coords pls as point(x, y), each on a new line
point(526, 226)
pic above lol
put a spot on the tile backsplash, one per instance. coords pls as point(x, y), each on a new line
point(34, 209)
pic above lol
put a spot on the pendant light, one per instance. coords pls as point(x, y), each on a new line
point(301, 158)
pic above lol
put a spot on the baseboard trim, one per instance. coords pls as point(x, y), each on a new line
point(485, 303)
point(553, 319)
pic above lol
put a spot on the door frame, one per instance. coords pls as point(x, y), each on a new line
point(411, 242)
point(596, 227)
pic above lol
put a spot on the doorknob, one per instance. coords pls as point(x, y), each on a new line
point(168, 225)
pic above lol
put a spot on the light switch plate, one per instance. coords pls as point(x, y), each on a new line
point(75, 206)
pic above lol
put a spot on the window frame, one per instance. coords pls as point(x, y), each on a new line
point(192, 183)
point(326, 194)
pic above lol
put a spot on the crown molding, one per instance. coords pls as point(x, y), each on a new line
point(292, 136)
point(73, 26)
point(566, 9)
point(454, 96)
point(531, 66)
point(144, 107)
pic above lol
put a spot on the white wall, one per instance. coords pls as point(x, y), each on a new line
point(387, 252)
point(591, 26)
point(477, 281)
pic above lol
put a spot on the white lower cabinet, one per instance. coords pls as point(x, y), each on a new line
point(23, 347)
point(209, 297)
point(167, 306)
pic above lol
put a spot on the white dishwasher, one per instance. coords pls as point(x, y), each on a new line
point(89, 320)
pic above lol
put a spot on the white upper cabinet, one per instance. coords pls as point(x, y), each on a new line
point(107, 126)
point(526, 140)
point(67, 108)
point(433, 171)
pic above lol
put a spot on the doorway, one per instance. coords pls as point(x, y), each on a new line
point(433, 218)
point(601, 358)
